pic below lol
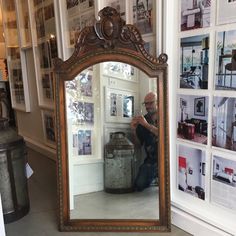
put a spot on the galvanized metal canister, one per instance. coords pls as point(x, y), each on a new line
point(119, 164)
point(13, 181)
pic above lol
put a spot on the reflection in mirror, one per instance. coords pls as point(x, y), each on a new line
point(111, 115)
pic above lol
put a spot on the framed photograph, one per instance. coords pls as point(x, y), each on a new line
point(71, 3)
point(226, 11)
point(120, 105)
point(224, 123)
point(19, 85)
point(183, 103)
point(190, 177)
point(199, 106)
point(203, 168)
point(143, 15)
point(39, 22)
point(44, 55)
point(47, 87)
point(48, 120)
point(225, 78)
point(82, 111)
point(120, 70)
point(192, 125)
point(79, 14)
point(119, 5)
point(24, 24)
point(150, 44)
point(223, 182)
point(195, 14)
point(84, 142)
point(194, 59)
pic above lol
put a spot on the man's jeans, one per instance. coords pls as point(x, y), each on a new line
point(147, 172)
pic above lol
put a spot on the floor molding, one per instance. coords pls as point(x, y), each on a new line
point(193, 225)
point(41, 148)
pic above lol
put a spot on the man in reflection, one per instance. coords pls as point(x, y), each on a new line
point(146, 131)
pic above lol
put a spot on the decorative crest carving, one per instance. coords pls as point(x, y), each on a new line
point(110, 35)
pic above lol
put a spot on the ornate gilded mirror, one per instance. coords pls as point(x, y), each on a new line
point(100, 90)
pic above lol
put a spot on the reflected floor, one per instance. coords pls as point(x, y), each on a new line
point(102, 205)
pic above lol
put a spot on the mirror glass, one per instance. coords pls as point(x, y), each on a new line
point(105, 157)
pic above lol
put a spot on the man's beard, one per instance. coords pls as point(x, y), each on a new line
point(153, 112)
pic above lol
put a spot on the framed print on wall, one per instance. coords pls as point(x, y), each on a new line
point(199, 106)
point(195, 14)
point(223, 182)
point(226, 11)
point(191, 171)
point(225, 78)
point(192, 119)
point(143, 16)
point(48, 120)
point(194, 62)
point(224, 123)
point(120, 70)
point(120, 105)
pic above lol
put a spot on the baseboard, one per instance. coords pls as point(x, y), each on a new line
point(193, 225)
point(41, 148)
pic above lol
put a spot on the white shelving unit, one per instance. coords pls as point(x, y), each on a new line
point(203, 158)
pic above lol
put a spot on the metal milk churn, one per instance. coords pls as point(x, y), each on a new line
point(13, 180)
point(119, 164)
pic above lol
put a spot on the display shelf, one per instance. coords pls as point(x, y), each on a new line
point(15, 58)
point(205, 114)
point(44, 49)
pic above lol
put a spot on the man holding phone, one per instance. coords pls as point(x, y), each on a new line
point(146, 132)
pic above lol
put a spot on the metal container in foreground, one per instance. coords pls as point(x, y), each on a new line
point(119, 164)
point(13, 181)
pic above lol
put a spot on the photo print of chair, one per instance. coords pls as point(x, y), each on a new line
point(191, 171)
point(194, 62)
point(226, 61)
point(224, 123)
point(195, 14)
point(192, 125)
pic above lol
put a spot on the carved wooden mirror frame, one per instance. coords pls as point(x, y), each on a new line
point(110, 38)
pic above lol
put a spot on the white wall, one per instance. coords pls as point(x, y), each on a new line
point(30, 124)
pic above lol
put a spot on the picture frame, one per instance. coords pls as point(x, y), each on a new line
point(150, 44)
point(225, 60)
point(203, 168)
point(189, 179)
point(120, 105)
point(224, 125)
point(48, 121)
point(195, 14)
point(183, 103)
point(119, 5)
point(143, 16)
point(194, 62)
point(24, 24)
point(226, 12)
point(120, 70)
point(79, 14)
point(223, 181)
point(199, 106)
